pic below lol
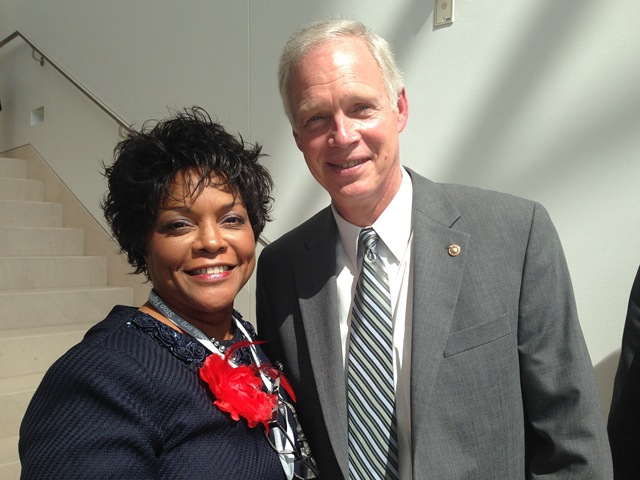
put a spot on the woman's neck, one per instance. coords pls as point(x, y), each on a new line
point(219, 332)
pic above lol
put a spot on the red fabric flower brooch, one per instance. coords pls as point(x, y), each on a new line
point(240, 390)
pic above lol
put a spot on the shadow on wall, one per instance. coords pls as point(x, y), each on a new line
point(605, 375)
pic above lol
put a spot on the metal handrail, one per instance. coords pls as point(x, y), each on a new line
point(44, 57)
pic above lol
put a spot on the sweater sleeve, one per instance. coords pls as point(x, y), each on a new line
point(90, 418)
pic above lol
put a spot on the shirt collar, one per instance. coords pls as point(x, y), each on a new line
point(393, 226)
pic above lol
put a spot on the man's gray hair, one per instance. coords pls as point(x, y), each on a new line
point(316, 33)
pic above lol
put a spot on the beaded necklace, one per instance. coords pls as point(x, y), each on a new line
point(211, 344)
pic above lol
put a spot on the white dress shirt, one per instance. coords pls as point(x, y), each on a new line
point(395, 231)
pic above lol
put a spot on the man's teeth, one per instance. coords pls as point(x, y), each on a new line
point(210, 270)
point(351, 164)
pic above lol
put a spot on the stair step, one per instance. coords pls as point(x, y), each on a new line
point(13, 167)
point(30, 214)
point(50, 295)
point(24, 241)
point(17, 273)
point(19, 384)
point(30, 308)
point(21, 189)
point(25, 351)
point(10, 471)
point(15, 395)
point(9, 460)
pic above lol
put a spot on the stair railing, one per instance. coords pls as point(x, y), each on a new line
point(45, 58)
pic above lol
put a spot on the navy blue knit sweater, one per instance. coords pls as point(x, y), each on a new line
point(127, 403)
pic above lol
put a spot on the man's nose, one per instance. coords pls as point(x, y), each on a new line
point(344, 131)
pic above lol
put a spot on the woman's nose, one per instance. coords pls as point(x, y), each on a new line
point(209, 239)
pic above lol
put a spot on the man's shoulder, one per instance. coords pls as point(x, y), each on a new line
point(480, 208)
point(480, 196)
point(470, 205)
point(307, 231)
point(459, 193)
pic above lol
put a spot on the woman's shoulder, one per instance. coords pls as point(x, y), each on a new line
point(98, 335)
point(117, 317)
point(184, 347)
point(118, 356)
point(248, 326)
point(128, 337)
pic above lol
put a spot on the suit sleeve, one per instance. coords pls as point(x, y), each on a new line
point(89, 419)
point(565, 432)
point(264, 318)
point(624, 415)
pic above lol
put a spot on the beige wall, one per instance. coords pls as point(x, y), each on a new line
point(538, 99)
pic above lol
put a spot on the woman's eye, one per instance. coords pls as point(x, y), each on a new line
point(234, 220)
point(177, 225)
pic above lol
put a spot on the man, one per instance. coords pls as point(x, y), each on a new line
point(491, 374)
point(624, 416)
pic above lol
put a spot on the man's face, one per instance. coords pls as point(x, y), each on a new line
point(346, 126)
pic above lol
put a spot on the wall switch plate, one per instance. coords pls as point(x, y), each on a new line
point(443, 12)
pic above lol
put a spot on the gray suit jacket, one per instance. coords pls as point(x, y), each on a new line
point(501, 382)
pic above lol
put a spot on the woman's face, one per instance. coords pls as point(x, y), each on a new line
point(200, 253)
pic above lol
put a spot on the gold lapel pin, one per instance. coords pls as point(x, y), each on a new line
point(454, 250)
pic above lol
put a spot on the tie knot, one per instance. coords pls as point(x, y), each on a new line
point(369, 239)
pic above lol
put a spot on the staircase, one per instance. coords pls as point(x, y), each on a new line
point(50, 294)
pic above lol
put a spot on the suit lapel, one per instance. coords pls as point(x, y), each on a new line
point(437, 279)
point(315, 272)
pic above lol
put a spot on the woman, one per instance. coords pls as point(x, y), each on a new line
point(176, 388)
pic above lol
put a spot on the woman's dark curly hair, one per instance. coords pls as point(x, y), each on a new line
point(147, 161)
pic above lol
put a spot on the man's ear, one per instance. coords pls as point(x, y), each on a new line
point(296, 137)
point(403, 110)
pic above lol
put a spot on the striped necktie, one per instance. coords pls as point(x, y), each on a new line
point(373, 446)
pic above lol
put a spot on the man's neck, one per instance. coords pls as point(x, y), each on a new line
point(363, 212)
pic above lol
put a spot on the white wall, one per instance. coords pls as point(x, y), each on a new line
point(536, 98)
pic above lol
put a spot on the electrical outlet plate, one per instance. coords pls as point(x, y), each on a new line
point(443, 12)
